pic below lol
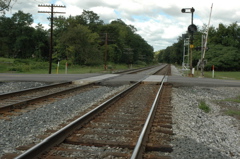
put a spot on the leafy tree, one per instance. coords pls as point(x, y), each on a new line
point(82, 45)
point(7, 36)
point(40, 36)
point(24, 42)
point(22, 19)
point(79, 38)
point(19, 39)
point(223, 53)
point(5, 5)
point(91, 19)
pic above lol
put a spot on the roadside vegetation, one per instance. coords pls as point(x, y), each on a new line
point(83, 41)
point(228, 75)
point(31, 66)
point(233, 110)
point(88, 44)
point(236, 100)
point(223, 52)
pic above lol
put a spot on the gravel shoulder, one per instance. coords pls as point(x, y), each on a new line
point(205, 135)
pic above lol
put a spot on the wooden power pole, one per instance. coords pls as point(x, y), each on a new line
point(51, 29)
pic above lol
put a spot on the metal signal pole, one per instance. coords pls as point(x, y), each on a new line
point(191, 30)
point(51, 29)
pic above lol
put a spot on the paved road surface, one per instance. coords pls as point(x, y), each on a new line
point(177, 79)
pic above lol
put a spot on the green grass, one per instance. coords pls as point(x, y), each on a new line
point(202, 105)
point(6, 60)
point(232, 112)
point(237, 99)
point(30, 66)
point(220, 75)
point(5, 63)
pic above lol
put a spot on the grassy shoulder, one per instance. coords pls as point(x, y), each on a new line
point(30, 66)
point(230, 75)
point(233, 111)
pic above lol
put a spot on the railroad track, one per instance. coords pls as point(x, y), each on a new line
point(15, 101)
point(120, 127)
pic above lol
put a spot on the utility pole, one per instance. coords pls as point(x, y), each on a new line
point(106, 38)
point(106, 50)
point(51, 29)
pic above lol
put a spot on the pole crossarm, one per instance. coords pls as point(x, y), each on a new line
point(49, 5)
point(51, 12)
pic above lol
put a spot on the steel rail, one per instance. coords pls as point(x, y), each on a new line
point(60, 135)
point(140, 146)
point(2, 96)
point(164, 66)
point(132, 71)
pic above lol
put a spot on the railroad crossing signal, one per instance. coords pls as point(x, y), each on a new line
point(191, 30)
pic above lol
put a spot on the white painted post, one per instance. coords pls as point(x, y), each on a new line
point(213, 71)
point(66, 68)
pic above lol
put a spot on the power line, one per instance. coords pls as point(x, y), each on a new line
point(51, 34)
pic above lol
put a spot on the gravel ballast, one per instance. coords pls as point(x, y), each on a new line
point(23, 129)
point(212, 135)
point(7, 87)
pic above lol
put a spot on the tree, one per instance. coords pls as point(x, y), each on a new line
point(24, 42)
point(91, 19)
point(82, 45)
point(22, 19)
point(5, 5)
point(40, 37)
point(7, 36)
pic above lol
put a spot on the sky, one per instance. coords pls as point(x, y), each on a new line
point(159, 22)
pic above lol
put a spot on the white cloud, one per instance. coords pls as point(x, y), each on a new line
point(160, 23)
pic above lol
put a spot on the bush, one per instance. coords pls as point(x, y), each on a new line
point(141, 63)
point(20, 68)
point(39, 65)
point(202, 105)
point(22, 61)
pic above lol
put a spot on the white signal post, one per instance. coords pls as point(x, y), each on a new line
point(205, 44)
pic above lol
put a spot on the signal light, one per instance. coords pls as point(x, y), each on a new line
point(188, 10)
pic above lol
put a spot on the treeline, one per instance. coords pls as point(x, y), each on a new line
point(83, 39)
point(223, 52)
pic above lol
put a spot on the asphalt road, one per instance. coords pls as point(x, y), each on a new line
point(176, 79)
point(10, 77)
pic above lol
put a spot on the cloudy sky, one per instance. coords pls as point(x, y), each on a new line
point(159, 22)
